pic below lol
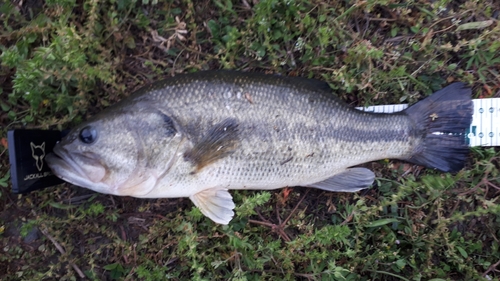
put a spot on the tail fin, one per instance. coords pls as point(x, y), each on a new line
point(443, 119)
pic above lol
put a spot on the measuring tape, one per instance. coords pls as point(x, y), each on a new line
point(485, 126)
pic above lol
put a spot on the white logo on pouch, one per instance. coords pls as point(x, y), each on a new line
point(38, 153)
point(37, 176)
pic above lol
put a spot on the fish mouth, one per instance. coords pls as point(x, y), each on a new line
point(86, 172)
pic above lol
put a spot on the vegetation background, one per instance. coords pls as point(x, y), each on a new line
point(65, 60)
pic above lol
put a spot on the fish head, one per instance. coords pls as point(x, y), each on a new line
point(119, 153)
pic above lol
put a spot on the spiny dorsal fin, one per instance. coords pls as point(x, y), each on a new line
point(221, 140)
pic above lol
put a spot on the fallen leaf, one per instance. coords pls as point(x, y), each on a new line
point(475, 25)
point(286, 192)
point(4, 143)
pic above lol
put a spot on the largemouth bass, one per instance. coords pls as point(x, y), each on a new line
point(199, 135)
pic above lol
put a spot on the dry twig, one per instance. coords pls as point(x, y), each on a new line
point(62, 251)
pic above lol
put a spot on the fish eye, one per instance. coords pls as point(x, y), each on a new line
point(88, 135)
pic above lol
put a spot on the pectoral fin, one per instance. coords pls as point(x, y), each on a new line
point(351, 180)
point(221, 140)
point(215, 203)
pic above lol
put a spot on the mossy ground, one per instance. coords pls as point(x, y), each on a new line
point(65, 60)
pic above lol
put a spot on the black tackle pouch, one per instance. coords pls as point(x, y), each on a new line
point(27, 151)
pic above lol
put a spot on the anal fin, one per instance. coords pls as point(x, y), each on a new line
point(215, 203)
point(350, 180)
